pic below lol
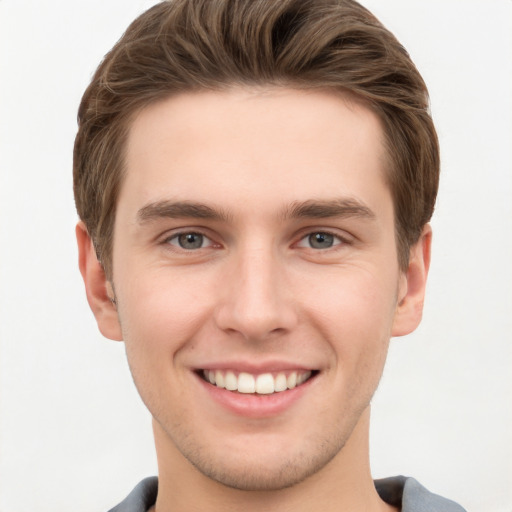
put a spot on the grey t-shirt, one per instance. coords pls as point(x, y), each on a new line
point(405, 493)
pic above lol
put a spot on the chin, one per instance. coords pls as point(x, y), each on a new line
point(266, 470)
point(253, 477)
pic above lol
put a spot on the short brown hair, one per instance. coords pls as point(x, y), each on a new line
point(190, 45)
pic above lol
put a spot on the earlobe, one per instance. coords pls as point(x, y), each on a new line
point(412, 287)
point(100, 293)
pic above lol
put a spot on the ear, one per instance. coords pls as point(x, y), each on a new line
point(412, 286)
point(99, 290)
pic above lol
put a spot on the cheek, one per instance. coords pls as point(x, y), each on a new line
point(160, 316)
point(354, 314)
point(162, 306)
point(355, 304)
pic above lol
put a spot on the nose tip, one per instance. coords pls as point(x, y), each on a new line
point(253, 325)
point(256, 303)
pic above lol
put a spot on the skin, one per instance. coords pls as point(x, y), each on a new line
point(256, 292)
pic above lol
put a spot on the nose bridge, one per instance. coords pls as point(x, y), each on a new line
point(256, 303)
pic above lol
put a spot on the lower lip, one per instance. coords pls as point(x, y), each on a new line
point(251, 405)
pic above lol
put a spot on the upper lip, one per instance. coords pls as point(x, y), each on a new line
point(256, 368)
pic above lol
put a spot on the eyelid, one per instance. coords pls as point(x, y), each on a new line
point(175, 234)
point(341, 239)
point(206, 240)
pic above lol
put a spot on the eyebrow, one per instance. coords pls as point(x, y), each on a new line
point(322, 209)
point(311, 209)
point(179, 209)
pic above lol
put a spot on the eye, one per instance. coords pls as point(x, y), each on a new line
point(320, 240)
point(189, 241)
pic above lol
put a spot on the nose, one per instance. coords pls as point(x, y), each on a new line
point(256, 301)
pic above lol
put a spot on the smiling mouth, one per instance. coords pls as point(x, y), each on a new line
point(261, 384)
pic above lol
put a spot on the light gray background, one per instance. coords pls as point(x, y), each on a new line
point(73, 432)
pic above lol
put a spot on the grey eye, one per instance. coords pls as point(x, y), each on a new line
point(321, 240)
point(190, 240)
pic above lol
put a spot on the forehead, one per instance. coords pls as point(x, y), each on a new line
point(266, 145)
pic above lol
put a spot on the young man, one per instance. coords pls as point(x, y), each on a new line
point(254, 181)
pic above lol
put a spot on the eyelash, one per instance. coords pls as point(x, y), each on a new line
point(337, 240)
point(176, 236)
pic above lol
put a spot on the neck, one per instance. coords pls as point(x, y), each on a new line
point(345, 483)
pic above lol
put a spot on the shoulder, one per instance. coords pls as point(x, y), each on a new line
point(411, 496)
point(400, 491)
point(141, 499)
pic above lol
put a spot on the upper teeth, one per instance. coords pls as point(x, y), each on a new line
point(264, 383)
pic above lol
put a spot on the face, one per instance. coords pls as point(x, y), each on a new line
point(256, 277)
